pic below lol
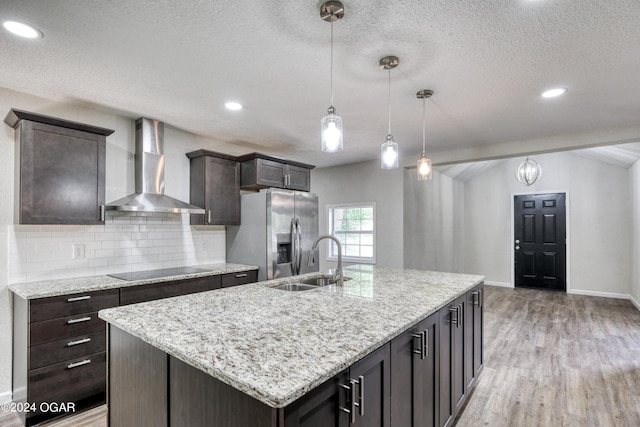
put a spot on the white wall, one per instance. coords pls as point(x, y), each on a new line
point(364, 182)
point(634, 183)
point(433, 222)
point(599, 218)
point(22, 248)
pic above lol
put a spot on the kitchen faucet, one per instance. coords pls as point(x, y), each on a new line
point(337, 274)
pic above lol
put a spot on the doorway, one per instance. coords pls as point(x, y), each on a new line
point(540, 254)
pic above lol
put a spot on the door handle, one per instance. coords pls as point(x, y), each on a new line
point(299, 244)
point(294, 247)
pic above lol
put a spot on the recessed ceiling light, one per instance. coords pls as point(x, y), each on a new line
point(23, 30)
point(552, 93)
point(234, 106)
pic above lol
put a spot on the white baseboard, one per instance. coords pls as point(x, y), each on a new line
point(634, 302)
point(5, 397)
point(599, 294)
point(501, 284)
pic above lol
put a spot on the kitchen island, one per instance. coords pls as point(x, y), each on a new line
point(248, 354)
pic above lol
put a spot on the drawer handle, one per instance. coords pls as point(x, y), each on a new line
point(80, 320)
point(241, 275)
point(82, 341)
point(75, 365)
point(82, 298)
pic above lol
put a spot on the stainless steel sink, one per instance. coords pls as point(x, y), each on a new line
point(321, 281)
point(307, 284)
point(294, 287)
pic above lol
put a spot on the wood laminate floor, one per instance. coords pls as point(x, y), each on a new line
point(551, 359)
point(554, 359)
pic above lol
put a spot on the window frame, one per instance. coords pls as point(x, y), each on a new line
point(352, 259)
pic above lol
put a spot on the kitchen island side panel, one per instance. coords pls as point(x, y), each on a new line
point(137, 388)
point(199, 400)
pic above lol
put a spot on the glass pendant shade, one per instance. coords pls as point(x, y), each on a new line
point(331, 131)
point(528, 172)
point(424, 168)
point(389, 154)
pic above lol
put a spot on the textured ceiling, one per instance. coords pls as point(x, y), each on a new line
point(487, 61)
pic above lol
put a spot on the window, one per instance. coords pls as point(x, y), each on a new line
point(354, 226)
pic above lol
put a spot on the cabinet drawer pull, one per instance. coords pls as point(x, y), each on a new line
point(102, 213)
point(82, 341)
point(476, 297)
point(419, 350)
point(241, 275)
point(425, 342)
point(209, 216)
point(360, 403)
point(351, 410)
point(454, 320)
point(75, 365)
point(82, 298)
point(79, 320)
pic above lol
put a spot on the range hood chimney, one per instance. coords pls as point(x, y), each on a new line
point(149, 174)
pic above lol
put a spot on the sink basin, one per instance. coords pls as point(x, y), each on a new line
point(294, 287)
point(307, 284)
point(321, 281)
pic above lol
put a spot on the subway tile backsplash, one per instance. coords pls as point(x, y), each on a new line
point(125, 243)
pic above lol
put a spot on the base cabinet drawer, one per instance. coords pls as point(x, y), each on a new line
point(70, 305)
point(174, 288)
point(65, 327)
point(68, 381)
point(239, 278)
point(67, 349)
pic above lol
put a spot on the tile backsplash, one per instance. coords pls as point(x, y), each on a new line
point(125, 243)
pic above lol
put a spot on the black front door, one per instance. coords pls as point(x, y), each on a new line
point(540, 241)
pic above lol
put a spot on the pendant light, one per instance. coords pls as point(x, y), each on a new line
point(389, 150)
point(424, 163)
point(331, 124)
point(528, 172)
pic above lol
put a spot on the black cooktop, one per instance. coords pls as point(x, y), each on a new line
point(154, 274)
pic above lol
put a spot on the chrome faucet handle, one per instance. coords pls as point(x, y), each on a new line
point(311, 260)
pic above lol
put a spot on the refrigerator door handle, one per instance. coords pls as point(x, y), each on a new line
point(299, 245)
point(294, 246)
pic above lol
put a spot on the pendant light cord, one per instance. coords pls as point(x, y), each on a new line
point(389, 99)
point(331, 62)
point(423, 127)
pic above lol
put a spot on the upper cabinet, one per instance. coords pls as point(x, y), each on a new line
point(261, 171)
point(60, 170)
point(215, 187)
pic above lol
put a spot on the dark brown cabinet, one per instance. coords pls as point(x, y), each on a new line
point(414, 375)
point(474, 358)
point(173, 288)
point(59, 351)
point(215, 187)
point(322, 407)
point(60, 170)
point(261, 171)
point(359, 396)
point(452, 387)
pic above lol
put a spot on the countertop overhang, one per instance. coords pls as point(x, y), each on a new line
point(276, 345)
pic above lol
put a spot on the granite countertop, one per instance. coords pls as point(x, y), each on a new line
point(276, 345)
point(52, 288)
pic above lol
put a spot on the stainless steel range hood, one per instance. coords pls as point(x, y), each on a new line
point(149, 175)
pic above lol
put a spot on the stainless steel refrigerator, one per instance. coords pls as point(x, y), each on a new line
point(277, 230)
